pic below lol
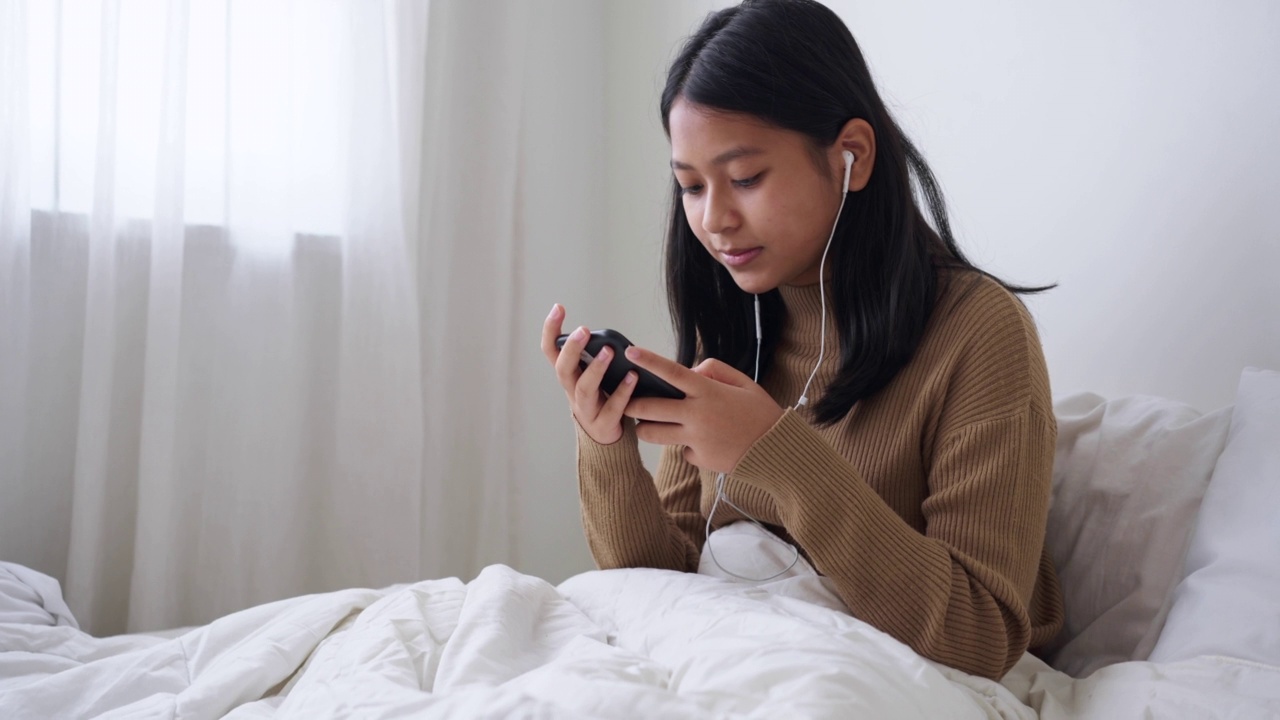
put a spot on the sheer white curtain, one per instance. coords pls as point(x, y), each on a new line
point(220, 298)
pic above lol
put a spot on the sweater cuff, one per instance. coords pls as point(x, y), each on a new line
point(616, 458)
point(774, 457)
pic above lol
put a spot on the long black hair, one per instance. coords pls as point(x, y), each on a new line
point(793, 64)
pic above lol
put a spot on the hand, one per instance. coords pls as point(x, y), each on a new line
point(599, 415)
point(722, 415)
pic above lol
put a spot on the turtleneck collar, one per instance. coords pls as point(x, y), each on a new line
point(802, 333)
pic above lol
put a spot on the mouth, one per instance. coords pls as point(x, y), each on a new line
point(738, 258)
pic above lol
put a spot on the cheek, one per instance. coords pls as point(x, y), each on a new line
point(801, 214)
point(693, 218)
point(797, 199)
point(769, 214)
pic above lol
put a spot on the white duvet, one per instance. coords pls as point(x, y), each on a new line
point(610, 644)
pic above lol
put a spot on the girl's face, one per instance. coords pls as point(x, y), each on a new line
point(753, 195)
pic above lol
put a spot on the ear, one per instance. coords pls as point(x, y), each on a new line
point(858, 138)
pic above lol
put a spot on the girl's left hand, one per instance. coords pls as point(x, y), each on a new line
point(722, 415)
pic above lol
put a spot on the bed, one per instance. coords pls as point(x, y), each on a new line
point(1164, 528)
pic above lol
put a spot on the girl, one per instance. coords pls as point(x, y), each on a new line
point(917, 474)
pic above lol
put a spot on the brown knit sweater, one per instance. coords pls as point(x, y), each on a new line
point(926, 504)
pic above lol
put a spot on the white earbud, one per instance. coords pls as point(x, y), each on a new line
point(848, 168)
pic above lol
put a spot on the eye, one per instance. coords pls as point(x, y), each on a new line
point(749, 181)
point(691, 190)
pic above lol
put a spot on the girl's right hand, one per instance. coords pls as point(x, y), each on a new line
point(599, 415)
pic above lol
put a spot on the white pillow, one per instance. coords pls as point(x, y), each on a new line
point(1229, 601)
point(1128, 478)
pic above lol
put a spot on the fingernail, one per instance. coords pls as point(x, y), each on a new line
point(633, 353)
point(554, 307)
point(604, 355)
point(630, 379)
point(578, 334)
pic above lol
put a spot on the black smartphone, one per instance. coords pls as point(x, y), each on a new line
point(647, 384)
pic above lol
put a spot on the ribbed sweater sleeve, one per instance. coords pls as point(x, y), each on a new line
point(629, 519)
point(958, 592)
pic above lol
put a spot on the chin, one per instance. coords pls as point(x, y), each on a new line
point(754, 284)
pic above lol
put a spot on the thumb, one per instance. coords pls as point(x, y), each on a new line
point(722, 372)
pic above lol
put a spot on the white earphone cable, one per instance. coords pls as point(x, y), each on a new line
point(822, 290)
point(803, 400)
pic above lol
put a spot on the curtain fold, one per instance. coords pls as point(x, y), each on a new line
point(15, 288)
point(210, 377)
point(157, 452)
point(469, 259)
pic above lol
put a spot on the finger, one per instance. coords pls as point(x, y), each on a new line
point(660, 433)
point(567, 362)
point(673, 372)
point(613, 408)
point(588, 386)
point(691, 457)
point(722, 372)
point(550, 331)
point(657, 409)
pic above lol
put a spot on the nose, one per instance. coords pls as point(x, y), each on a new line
point(718, 213)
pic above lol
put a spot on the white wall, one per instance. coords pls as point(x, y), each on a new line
point(1127, 151)
point(1124, 150)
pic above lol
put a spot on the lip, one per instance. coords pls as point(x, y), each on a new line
point(738, 258)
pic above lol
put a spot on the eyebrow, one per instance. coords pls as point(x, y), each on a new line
point(723, 157)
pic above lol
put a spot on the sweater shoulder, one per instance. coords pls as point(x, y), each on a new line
point(982, 345)
point(968, 298)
